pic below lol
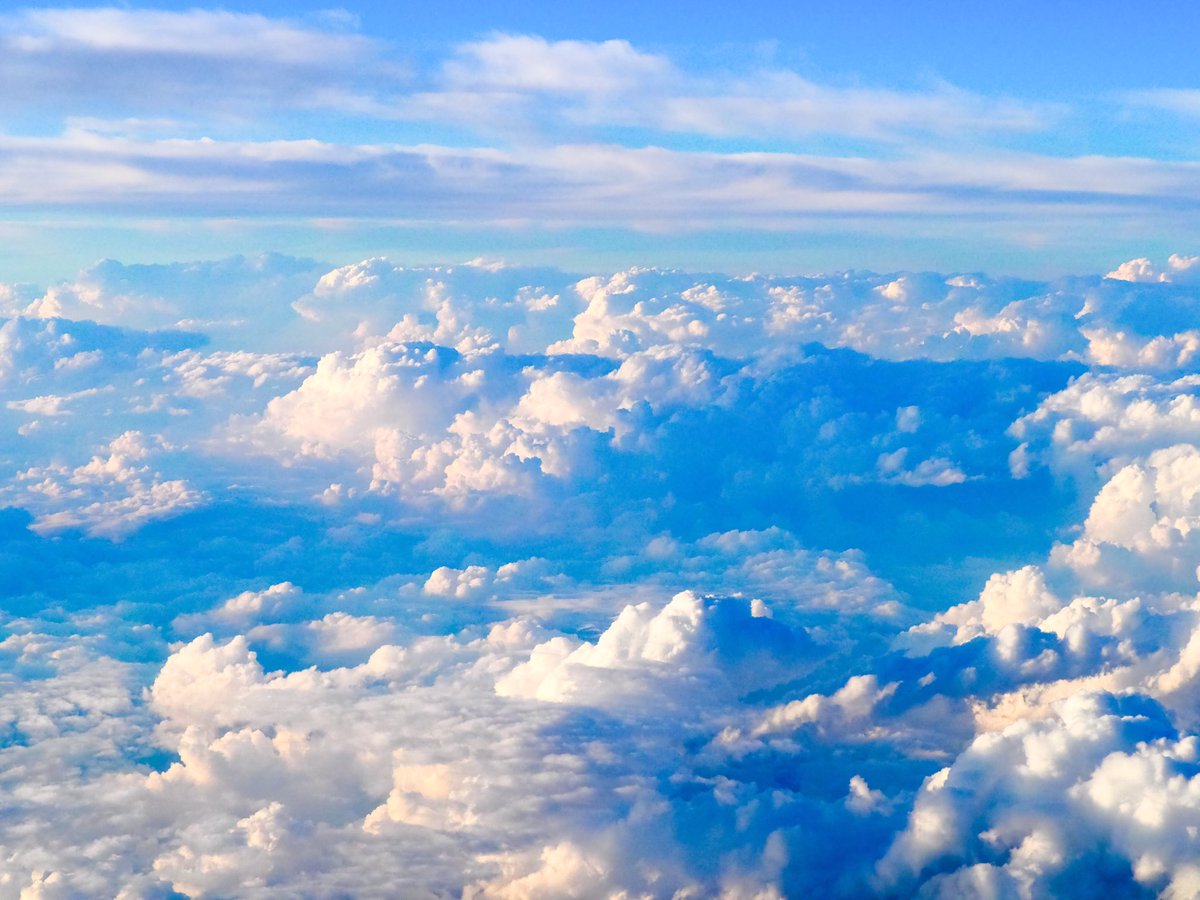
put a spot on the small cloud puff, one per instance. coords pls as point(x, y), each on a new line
point(668, 653)
point(1178, 269)
point(110, 496)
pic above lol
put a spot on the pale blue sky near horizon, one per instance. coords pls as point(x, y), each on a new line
point(1018, 138)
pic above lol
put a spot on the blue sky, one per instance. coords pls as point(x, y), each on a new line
point(789, 138)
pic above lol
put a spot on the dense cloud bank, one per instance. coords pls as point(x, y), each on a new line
point(493, 582)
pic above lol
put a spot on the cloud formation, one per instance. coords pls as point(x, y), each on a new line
point(136, 66)
point(360, 578)
point(161, 117)
point(513, 582)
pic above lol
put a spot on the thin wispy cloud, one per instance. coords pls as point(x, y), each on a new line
point(198, 63)
point(204, 113)
point(613, 84)
point(567, 185)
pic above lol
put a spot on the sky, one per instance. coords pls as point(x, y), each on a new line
point(793, 138)
point(533, 451)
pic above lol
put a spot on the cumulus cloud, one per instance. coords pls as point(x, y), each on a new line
point(687, 637)
point(1178, 268)
point(496, 581)
point(182, 296)
point(109, 496)
point(261, 756)
point(980, 822)
point(1103, 420)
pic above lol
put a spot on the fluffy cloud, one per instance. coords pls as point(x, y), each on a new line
point(352, 578)
point(505, 582)
point(1178, 269)
point(109, 496)
point(1103, 422)
point(1100, 797)
point(687, 637)
point(218, 298)
point(274, 768)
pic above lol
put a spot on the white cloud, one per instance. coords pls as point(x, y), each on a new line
point(1010, 598)
point(519, 63)
point(1178, 268)
point(186, 296)
point(109, 496)
point(347, 400)
point(1103, 420)
point(78, 61)
point(613, 83)
point(937, 471)
point(1033, 806)
point(569, 184)
point(681, 647)
point(851, 705)
point(530, 577)
point(158, 116)
point(194, 32)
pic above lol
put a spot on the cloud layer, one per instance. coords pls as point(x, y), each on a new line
point(508, 582)
point(136, 119)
